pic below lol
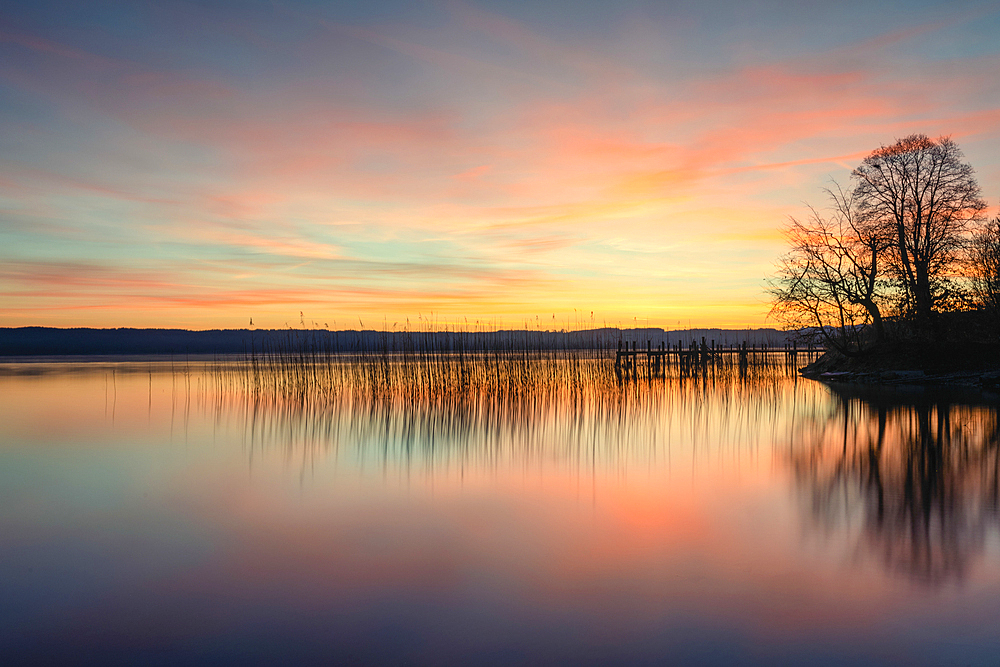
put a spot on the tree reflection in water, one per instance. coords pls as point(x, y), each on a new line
point(913, 481)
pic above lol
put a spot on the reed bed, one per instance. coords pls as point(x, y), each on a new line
point(306, 367)
point(302, 366)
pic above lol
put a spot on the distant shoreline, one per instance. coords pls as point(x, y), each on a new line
point(52, 343)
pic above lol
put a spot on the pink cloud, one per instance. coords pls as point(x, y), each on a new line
point(474, 173)
point(538, 161)
point(49, 47)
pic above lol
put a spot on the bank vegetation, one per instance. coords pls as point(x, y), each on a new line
point(903, 262)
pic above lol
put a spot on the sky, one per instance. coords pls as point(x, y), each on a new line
point(474, 164)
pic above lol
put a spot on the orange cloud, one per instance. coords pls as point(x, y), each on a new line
point(493, 166)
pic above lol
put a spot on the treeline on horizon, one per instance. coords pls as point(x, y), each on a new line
point(49, 341)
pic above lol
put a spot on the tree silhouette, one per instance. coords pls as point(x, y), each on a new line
point(985, 267)
point(831, 279)
point(927, 198)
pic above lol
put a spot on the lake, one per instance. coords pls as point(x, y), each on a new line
point(173, 512)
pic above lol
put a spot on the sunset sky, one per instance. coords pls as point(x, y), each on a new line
point(196, 164)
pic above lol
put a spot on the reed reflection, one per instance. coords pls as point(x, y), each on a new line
point(914, 482)
point(570, 411)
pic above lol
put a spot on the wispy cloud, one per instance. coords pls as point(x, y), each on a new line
point(478, 163)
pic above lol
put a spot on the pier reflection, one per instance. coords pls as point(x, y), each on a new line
point(913, 480)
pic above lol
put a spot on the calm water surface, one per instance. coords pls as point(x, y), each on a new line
point(154, 513)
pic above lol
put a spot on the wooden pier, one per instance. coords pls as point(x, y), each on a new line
point(655, 361)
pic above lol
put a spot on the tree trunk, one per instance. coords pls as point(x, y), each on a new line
point(922, 294)
point(877, 323)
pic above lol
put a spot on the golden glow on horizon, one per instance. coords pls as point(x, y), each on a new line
point(482, 168)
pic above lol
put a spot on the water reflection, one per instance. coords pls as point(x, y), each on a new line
point(913, 480)
point(604, 423)
point(640, 522)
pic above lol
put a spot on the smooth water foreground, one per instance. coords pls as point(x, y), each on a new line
point(155, 513)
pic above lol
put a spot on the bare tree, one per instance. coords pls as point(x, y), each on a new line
point(924, 193)
point(833, 276)
point(984, 264)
